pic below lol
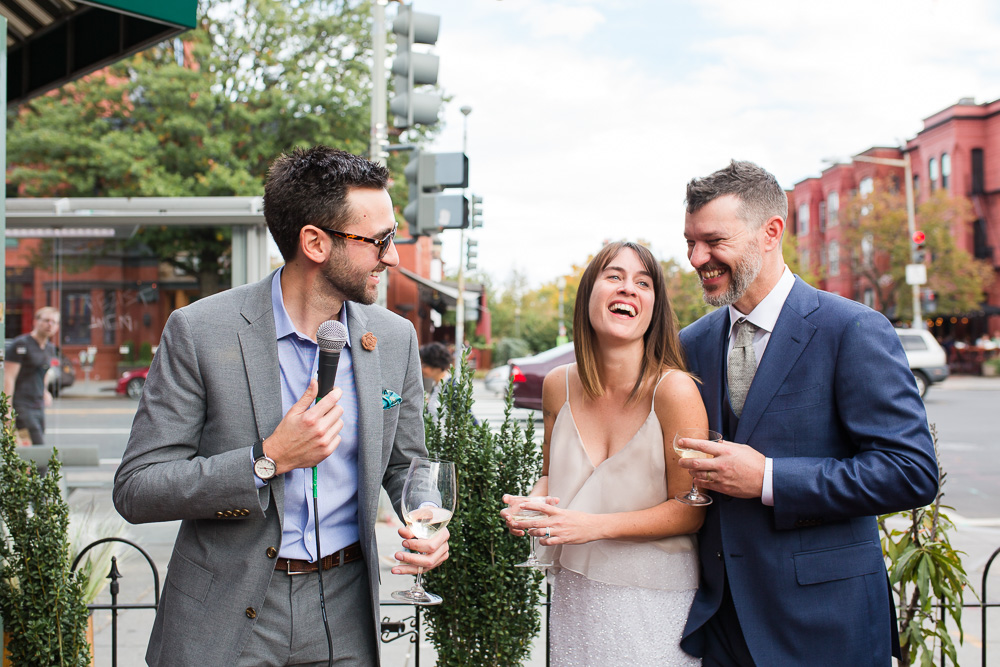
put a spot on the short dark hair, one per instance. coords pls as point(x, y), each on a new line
point(662, 348)
point(309, 186)
point(757, 190)
point(435, 355)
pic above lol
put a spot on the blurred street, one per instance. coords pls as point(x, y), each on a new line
point(89, 413)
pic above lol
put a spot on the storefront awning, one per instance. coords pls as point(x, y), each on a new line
point(443, 297)
point(52, 42)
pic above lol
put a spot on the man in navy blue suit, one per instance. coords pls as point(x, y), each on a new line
point(823, 430)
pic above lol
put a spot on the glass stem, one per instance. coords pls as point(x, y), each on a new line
point(531, 553)
point(418, 587)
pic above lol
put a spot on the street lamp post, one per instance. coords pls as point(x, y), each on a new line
point(918, 318)
point(460, 302)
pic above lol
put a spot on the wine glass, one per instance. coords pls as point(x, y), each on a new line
point(695, 496)
point(428, 503)
point(522, 514)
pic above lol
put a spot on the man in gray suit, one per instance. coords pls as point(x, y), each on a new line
point(228, 430)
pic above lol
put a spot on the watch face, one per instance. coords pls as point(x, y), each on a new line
point(264, 468)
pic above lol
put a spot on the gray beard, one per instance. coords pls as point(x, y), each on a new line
point(741, 277)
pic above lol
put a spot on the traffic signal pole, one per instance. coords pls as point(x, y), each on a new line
point(911, 226)
point(380, 115)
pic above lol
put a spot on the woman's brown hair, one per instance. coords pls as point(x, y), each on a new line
point(662, 348)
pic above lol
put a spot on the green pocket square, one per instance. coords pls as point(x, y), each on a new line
point(390, 399)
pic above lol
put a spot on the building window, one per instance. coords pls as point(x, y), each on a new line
point(932, 173)
point(869, 297)
point(822, 217)
point(978, 173)
point(803, 219)
point(75, 318)
point(834, 260)
point(832, 208)
point(865, 188)
point(867, 249)
point(804, 259)
point(945, 169)
point(916, 186)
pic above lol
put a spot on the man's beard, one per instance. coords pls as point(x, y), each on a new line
point(350, 282)
point(741, 276)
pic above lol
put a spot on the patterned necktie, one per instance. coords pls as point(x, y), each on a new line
point(742, 364)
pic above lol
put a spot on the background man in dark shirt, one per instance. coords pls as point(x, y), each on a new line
point(28, 359)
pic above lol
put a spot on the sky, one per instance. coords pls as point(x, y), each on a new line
point(589, 117)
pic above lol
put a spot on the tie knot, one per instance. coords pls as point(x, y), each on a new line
point(745, 330)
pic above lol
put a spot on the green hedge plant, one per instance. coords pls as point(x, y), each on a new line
point(926, 574)
point(490, 613)
point(41, 599)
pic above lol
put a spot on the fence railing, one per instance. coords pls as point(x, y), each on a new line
point(410, 627)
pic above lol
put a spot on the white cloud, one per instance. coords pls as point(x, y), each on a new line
point(588, 123)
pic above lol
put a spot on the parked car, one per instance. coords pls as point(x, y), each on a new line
point(61, 375)
point(926, 357)
point(528, 373)
point(131, 383)
point(496, 380)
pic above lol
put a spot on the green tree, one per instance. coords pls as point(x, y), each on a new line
point(204, 117)
point(881, 250)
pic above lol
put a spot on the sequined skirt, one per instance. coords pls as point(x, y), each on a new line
point(594, 624)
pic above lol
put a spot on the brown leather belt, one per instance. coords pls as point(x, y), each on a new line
point(346, 555)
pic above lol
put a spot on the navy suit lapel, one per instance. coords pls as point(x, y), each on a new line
point(791, 334)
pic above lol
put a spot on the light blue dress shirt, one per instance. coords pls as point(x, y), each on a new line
point(298, 360)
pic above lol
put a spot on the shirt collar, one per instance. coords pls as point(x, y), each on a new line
point(765, 315)
point(283, 323)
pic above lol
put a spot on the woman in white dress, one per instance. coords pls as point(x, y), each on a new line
point(625, 565)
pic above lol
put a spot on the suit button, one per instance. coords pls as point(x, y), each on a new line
point(218, 515)
point(228, 513)
point(251, 613)
point(245, 512)
point(271, 552)
point(718, 554)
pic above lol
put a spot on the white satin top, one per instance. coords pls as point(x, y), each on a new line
point(634, 478)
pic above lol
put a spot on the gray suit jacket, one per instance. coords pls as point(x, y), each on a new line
point(213, 389)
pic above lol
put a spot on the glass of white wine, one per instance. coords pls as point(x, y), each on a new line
point(695, 496)
point(522, 514)
point(430, 494)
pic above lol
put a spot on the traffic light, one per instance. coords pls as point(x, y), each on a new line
point(428, 209)
point(413, 69)
point(919, 239)
point(471, 254)
point(476, 207)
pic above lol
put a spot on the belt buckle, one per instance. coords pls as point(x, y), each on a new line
point(292, 573)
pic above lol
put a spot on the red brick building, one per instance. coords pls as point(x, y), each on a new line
point(958, 150)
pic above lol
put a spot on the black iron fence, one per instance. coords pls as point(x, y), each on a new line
point(410, 627)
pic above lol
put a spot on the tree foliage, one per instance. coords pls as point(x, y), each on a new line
point(881, 250)
point(204, 116)
point(490, 614)
point(41, 600)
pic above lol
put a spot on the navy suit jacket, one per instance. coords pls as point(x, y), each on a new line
point(834, 404)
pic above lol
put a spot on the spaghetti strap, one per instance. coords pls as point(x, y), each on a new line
point(567, 383)
point(654, 388)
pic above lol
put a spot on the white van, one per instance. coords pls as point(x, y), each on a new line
point(927, 358)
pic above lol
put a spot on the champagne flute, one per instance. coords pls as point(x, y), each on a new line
point(522, 514)
point(695, 496)
point(428, 503)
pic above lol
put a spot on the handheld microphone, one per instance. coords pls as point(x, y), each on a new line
point(332, 337)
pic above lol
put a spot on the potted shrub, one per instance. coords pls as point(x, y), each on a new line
point(991, 367)
point(490, 612)
point(45, 618)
